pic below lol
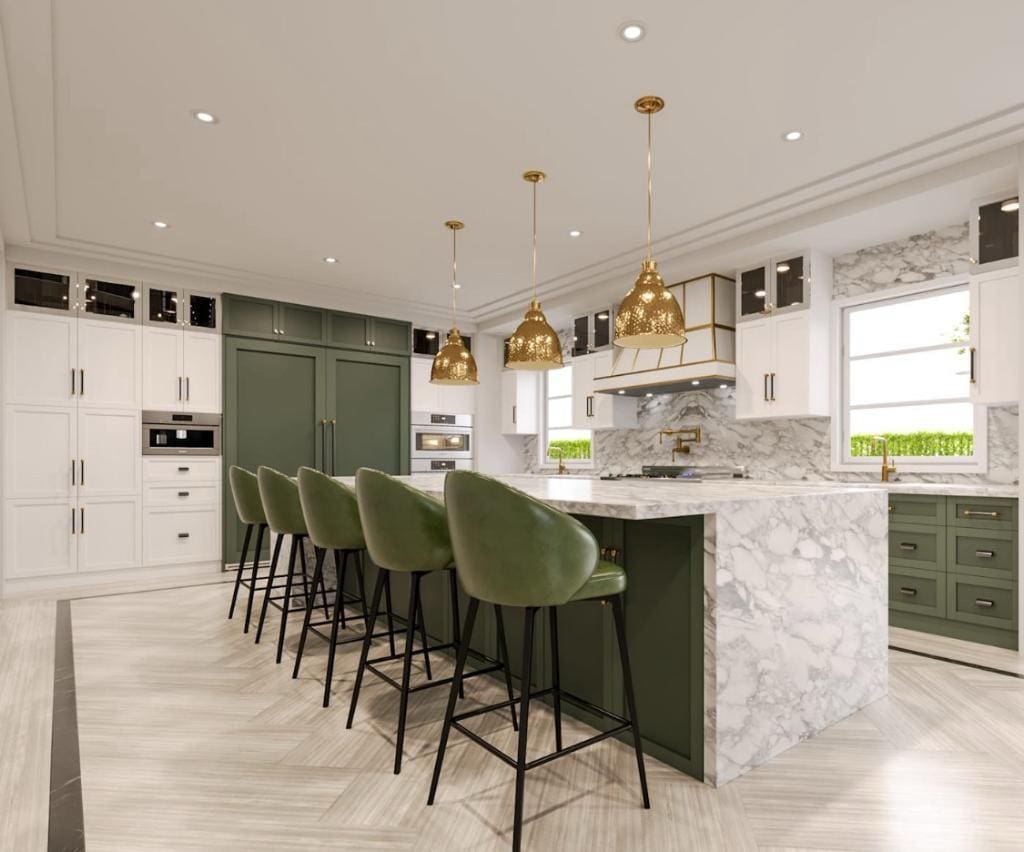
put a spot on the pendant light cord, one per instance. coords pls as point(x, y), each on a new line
point(535, 240)
point(650, 186)
point(455, 275)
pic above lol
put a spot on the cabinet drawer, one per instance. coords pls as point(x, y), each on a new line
point(983, 553)
point(917, 546)
point(917, 508)
point(181, 469)
point(991, 513)
point(183, 494)
point(981, 600)
point(917, 591)
point(181, 535)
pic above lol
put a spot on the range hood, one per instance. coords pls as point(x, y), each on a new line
point(706, 360)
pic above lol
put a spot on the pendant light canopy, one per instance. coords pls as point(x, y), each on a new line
point(454, 364)
point(649, 317)
point(534, 345)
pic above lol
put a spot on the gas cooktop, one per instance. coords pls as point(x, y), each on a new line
point(681, 472)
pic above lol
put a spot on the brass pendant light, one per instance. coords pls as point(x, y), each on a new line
point(454, 364)
point(534, 345)
point(649, 316)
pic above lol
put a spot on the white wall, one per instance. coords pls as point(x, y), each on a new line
point(495, 453)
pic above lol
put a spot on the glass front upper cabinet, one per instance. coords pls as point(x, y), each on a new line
point(111, 299)
point(789, 282)
point(162, 307)
point(779, 284)
point(43, 290)
point(994, 234)
point(202, 310)
point(180, 307)
point(753, 291)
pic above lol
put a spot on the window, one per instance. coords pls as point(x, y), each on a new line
point(906, 377)
point(560, 439)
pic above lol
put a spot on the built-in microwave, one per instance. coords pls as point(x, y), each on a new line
point(441, 436)
point(180, 433)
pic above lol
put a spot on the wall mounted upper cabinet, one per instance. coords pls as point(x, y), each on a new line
point(592, 332)
point(995, 338)
point(994, 231)
point(168, 306)
point(181, 370)
point(519, 402)
point(781, 284)
point(262, 318)
point(371, 334)
point(598, 411)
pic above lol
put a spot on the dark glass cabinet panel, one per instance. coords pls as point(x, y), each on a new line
point(602, 329)
point(202, 311)
point(163, 305)
point(426, 341)
point(789, 282)
point(42, 290)
point(110, 299)
point(997, 230)
point(753, 291)
point(580, 335)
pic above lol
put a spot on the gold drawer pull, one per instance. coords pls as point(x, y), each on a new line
point(891, 507)
point(973, 513)
point(907, 591)
point(984, 604)
point(984, 554)
point(907, 546)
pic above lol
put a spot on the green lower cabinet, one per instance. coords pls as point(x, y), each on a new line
point(911, 590)
point(981, 600)
point(919, 546)
point(983, 553)
point(917, 509)
point(994, 513)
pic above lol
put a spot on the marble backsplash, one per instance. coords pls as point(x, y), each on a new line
point(800, 448)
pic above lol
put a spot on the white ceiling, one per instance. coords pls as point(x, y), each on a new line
point(356, 129)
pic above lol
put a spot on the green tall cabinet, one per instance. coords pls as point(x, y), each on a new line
point(289, 402)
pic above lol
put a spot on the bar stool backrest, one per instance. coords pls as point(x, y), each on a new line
point(331, 512)
point(511, 549)
point(280, 496)
point(246, 493)
point(405, 529)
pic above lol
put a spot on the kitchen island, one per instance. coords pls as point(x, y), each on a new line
point(757, 613)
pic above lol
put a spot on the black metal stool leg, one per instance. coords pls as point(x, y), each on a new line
point(361, 584)
point(339, 605)
point(390, 613)
point(504, 660)
point(453, 586)
point(382, 579)
point(524, 721)
point(423, 636)
point(323, 595)
point(305, 575)
point(453, 694)
point(270, 585)
point(410, 632)
point(627, 678)
point(317, 575)
point(241, 568)
point(287, 597)
point(255, 573)
point(556, 677)
point(341, 560)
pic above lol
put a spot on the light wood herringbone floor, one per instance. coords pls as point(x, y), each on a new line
point(191, 738)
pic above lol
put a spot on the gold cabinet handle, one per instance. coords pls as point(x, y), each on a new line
point(973, 513)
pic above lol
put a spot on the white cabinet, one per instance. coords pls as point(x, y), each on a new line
point(995, 347)
point(171, 469)
point(108, 533)
point(782, 367)
point(41, 452)
point(109, 364)
point(788, 283)
point(181, 370)
point(519, 402)
point(597, 411)
point(109, 453)
point(174, 535)
point(38, 538)
point(41, 358)
point(438, 399)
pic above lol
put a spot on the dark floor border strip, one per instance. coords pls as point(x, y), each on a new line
point(942, 659)
point(67, 820)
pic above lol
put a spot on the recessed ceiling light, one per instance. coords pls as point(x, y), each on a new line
point(1011, 205)
point(160, 225)
point(204, 116)
point(793, 135)
point(695, 382)
point(632, 31)
point(648, 394)
point(575, 232)
point(782, 267)
point(723, 387)
point(330, 260)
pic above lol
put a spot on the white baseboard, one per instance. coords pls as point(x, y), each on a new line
point(115, 582)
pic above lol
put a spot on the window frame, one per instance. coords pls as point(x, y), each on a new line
point(542, 444)
point(842, 461)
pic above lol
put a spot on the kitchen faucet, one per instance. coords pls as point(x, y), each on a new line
point(684, 437)
point(888, 468)
point(561, 460)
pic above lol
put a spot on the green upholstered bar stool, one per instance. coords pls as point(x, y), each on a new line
point(332, 519)
point(406, 532)
point(515, 551)
point(245, 491)
point(280, 497)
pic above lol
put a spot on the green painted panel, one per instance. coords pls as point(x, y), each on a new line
point(993, 513)
point(250, 317)
point(920, 546)
point(348, 330)
point(391, 336)
point(980, 600)
point(911, 590)
point(983, 553)
point(997, 637)
point(274, 404)
point(301, 324)
point(917, 508)
point(368, 397)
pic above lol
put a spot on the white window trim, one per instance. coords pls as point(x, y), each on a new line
point(906, 464)
point(542, 443)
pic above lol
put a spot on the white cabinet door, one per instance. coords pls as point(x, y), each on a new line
point(109, 364)
point(456, 399)
point(41, 451)
point(178, 470)
point(519, 403)
point(994, 340)
point(109, 453)
point(582, 391)
point(181, 535)
point(613, 411)
point(163, 369)
point(423, 395)
point(38, 540)
point(753, 367)
point(109, 533)
point(202, 372)
point(788, 381)
point(40, 356)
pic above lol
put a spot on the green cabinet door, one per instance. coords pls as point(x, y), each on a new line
point(300, 324)
point(273, 414)
point(391, 336)
point(368, 406)
point(351, 331)
point(250, 317)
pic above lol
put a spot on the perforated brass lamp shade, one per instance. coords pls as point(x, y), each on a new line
point(454, 364)
point(649, 317)
point(534, 345)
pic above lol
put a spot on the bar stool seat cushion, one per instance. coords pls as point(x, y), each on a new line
point(608, 579)
point(331, 512)
point(246, 493)
point(280, 496)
